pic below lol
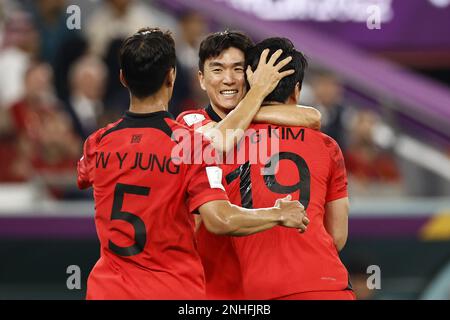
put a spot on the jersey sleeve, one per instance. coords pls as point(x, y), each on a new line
point(85, 166)
point(193, 119)
point(337, 184)
point(86, 163)
point(204, 178)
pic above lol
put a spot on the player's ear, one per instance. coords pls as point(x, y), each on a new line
point(294, 96)
point(171, 76)
point(201, 80)
point(122, 79)
point(297, 92)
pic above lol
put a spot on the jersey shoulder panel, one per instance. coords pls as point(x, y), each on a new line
point(332, 148)
point(85, 164)
point(98, 135)
point(338, 184)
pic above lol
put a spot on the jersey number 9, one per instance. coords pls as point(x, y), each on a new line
point(245, 184)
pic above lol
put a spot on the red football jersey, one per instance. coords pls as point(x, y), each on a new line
point(308, 165)
point(198, 117)
point(143, 200)
point(222, 271)
point(280, 261)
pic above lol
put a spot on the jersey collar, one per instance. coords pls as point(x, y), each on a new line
point(212, 114)
point(156, 114)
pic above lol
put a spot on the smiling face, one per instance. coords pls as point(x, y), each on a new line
point(223, 79)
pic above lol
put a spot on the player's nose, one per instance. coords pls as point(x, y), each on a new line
point(228, 78)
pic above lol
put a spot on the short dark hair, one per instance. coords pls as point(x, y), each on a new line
point(286, 85)
point(145, 58)
point(215, 43)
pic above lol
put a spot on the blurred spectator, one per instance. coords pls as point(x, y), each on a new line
point(111, 22)
point(50, 19)
point(87, 83)
point(116, 99)
point(12, 167)
point(117, 19)
point(328, 94)
point(20, 46)
point(193, 27)
point(47, 146)
point(366, 163)
point(69, 52)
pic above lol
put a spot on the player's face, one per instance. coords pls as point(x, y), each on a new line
point(223, 79)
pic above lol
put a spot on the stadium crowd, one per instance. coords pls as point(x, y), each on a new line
point(59, 85)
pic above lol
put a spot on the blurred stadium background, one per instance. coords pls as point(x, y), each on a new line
point(383, 93)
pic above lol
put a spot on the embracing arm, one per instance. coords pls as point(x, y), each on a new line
point(223, 218)
point(226, 133)
point(290, 115)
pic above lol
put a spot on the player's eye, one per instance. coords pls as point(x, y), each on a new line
point(216, 70)
point(239, 69)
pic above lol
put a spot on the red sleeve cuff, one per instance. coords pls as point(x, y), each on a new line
point(204, 197)
point(337, 196)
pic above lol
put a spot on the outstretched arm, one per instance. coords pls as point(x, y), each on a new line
point(290, 115)
point(223, 218)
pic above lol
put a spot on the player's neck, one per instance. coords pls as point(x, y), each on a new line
point(222, 113)
point(153, 103)
point(270, 103)
point(289, 101)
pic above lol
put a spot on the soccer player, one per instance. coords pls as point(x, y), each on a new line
point(309, 165)
point(143, 195)
point(222, 76)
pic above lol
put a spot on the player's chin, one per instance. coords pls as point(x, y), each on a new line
point(230, 104)
point(224, 105)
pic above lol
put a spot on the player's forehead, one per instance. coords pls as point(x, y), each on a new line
point(229, 57)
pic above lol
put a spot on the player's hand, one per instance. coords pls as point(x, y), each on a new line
point(292, 214)
point(267, 74)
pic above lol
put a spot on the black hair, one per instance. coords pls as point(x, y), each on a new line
point(215, 43)
point(145, 59)
point(286, 85)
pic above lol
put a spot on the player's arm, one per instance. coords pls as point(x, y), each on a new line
point(287, 115)
point(84, 165)
point(282, 115)
point(226, 133)
point(223, 218)
point(337, 204)
point(336, 221)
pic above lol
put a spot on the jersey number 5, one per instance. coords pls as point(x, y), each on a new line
point(140, 235)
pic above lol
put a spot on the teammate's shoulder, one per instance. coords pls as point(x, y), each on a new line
point(191, 117)
point(318, 135)
point(326, 139)
point(180, 130)
point(174, 124)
